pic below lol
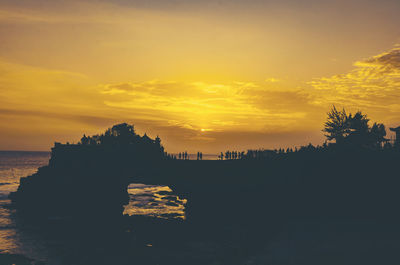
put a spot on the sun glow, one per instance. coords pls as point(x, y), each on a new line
point(193, 74)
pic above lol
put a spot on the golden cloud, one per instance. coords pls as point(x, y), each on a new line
point(198, 105)
point(194, 113)
point(373, 86)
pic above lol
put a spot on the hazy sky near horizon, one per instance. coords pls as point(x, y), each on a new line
point(203, 75)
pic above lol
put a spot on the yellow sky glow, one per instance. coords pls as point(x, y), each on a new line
point(204, 77)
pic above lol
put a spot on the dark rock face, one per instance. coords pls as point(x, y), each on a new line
point(82, 192)
point(234, 207)
point(15, 259)
point(349, 184)
point(88, 180)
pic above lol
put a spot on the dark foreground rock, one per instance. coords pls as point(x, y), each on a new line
point(54, 193)
point(234, 210)
point(15, 259)
point(88, 181)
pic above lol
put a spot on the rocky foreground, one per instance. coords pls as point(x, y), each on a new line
point(235, 212)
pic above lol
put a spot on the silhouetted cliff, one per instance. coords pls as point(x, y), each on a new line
point(88, 179)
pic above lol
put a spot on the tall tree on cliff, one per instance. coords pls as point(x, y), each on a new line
point(336, 126)
point(353, 129)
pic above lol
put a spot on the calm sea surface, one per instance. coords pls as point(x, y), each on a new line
point(147, 200)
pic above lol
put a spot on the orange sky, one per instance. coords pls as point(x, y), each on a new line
point(204, 75)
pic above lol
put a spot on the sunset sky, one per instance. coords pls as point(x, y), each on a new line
point(203, 75)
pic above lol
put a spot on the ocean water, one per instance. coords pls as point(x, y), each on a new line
point(149, 200)
point(14, 165)
point(156, 201)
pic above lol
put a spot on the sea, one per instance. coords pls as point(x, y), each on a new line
point(147, 200)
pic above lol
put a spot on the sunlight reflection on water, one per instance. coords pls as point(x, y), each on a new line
point(157, 201)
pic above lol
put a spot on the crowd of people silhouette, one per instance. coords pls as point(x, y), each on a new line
point(341, 129)
point(251, 194)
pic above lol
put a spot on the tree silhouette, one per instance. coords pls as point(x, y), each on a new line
point(336, 126)
point(377, 134)
point(358, 129)
point(353, 129)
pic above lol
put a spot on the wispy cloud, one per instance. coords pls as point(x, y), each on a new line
point(193, 113)
point(237, 105)
point(373, 85)
point(196, 113)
